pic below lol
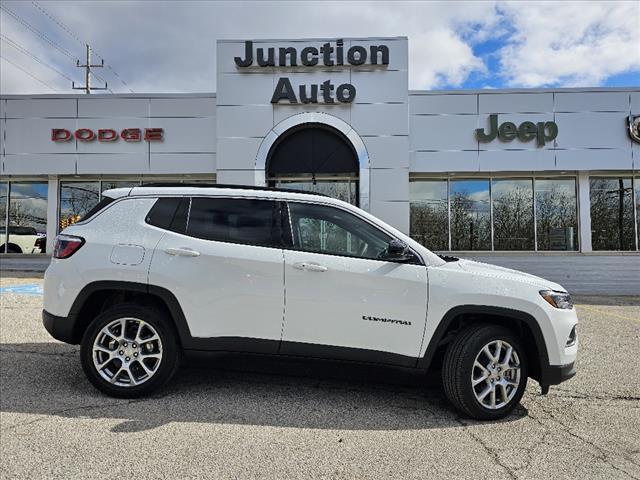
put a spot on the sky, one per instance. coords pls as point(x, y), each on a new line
point(154, 47)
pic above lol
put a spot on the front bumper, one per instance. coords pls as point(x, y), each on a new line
point(60, 328)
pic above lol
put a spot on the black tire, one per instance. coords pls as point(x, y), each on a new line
point(458, 364)
point(11, 248)
point(171, 352)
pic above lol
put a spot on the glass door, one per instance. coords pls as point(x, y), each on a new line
point(343, 188)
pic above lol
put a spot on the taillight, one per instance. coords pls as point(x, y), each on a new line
point(66, 245)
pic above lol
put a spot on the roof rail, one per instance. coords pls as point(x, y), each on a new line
point(236, 187)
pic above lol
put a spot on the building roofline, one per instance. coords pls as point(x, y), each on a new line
point(108, 95)
point(296, 40)
point(488, 91)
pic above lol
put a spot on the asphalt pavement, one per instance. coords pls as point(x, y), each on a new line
point(246, 417)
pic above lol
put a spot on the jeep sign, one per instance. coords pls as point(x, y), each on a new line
point(526, 131)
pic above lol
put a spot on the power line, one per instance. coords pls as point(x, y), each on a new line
point(68, 30)
point(28, 73)
point(100, 79)
point(40, 34)
point(24, 51)
point(58, 22)
point(119, 78)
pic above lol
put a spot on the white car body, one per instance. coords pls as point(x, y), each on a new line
point(287, 301)
point(25, 243)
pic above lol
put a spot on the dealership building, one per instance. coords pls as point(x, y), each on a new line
point(543, 180)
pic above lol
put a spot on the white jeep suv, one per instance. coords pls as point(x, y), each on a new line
point(155, 272)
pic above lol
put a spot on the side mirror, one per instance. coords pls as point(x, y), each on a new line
point(398, 250)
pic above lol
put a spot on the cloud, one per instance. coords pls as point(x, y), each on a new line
point(171, 46)
point(570, 44)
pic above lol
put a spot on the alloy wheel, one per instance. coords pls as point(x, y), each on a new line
point(127, 352)
point(496, 374)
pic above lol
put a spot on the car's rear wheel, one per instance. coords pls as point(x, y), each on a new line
point(130, 351)
point(485, 372)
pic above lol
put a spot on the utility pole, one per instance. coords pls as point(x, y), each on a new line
point(87, 74)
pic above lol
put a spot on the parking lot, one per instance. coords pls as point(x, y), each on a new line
point(250, 418)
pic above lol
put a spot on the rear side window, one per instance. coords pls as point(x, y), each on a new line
point(163, 212)
point(99, 206)
point(235, 220)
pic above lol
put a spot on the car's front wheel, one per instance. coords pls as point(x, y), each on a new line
point(485, 372)
point(129, 351)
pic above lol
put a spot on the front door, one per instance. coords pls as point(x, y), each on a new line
point(224, 265)
point(340, 292)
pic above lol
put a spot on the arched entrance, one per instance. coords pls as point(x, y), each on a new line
point(315, 157)
point(269, 153)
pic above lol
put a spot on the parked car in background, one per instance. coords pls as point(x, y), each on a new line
point(22, 240)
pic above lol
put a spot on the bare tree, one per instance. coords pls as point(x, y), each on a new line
point(612, 224)
point(513, 219)
point(430, 224)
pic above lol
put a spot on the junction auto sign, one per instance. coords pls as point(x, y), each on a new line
point(108, 135)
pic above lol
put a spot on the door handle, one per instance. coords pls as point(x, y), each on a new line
point(310, 267)
point(182, 252)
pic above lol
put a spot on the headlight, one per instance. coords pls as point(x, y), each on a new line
point(560, 300)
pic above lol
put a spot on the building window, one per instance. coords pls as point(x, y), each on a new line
point(495, 214)
point(76, 199)
point(342, 188)
point(513, 214)
point(612, 213)
point(470, 215)
point(108, 185)
point(4, 200)
point(556, 214)
point(429, 213)
point(636, 181)
point(24, 225)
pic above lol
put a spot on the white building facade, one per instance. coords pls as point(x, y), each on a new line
point(545, 180)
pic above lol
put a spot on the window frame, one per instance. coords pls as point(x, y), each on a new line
point(418, 177)
point(416, 260)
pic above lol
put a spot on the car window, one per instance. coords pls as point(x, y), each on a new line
point(163, 211)
point(96, 208)
point(16, 230)
point(235, 220)
point(323, 229)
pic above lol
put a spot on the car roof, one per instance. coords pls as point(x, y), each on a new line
point(187, 189)
point(229, 186)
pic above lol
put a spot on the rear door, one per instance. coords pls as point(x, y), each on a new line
point(340, 292)
point(222, 259)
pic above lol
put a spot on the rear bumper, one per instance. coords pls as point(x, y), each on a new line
point(555, 374)
point(60, 328)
